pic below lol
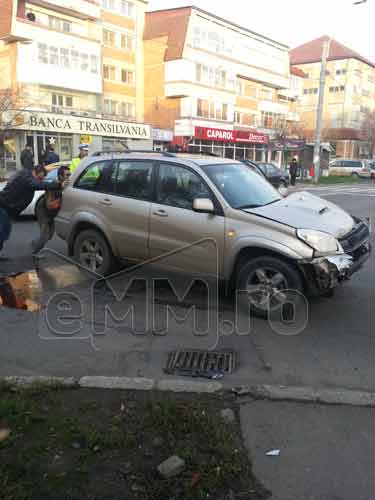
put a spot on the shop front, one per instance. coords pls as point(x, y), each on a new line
point(66, 132)
point(232, 144)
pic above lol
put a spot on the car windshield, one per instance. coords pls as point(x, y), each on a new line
point(241, 186)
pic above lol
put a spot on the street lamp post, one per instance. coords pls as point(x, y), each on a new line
point(320, 109)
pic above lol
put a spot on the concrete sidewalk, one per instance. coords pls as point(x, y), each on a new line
point(326, 452)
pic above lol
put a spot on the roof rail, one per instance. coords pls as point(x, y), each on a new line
point(130, 151)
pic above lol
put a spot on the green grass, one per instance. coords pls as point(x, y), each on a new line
point(336, 179)
point(90, 444)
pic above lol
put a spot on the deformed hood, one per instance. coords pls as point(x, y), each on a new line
point(305, 211)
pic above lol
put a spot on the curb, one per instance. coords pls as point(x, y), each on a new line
point(337, 396)
point(245, 394)
point(123, 383)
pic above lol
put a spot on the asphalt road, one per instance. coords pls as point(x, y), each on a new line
point(335, 350)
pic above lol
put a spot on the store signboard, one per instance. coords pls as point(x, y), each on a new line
point(71, 124)
point(221, 135)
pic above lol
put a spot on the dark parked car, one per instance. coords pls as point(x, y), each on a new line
point(277, 177)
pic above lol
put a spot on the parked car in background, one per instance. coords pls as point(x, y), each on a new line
point(51, 176)
point(139, 206)
point(277, 177)
point(358, 168)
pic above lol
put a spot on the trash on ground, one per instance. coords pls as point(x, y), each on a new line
point(273, 453)
point(241, 390)
point(171, 467)
point(4, 434)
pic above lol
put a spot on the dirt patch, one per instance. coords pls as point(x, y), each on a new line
point(96, 444)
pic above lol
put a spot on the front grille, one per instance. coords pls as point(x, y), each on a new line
point(357, 237)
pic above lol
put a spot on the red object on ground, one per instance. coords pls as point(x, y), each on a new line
point(312, 171)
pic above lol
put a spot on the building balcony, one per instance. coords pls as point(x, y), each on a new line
point(82, 9)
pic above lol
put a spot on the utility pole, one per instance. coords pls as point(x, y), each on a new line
point(319, 113)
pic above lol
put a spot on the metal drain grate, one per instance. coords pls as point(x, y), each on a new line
point(201, 363)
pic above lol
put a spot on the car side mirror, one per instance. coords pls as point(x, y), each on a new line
point(203, 206)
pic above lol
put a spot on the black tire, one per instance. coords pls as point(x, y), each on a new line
point(355, 174)
point(283, 184)
point(92, 252)
point(272, 267)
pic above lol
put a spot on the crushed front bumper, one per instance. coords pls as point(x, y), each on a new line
point(324, 273)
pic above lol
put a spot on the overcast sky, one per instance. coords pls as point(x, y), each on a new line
point(294, 22)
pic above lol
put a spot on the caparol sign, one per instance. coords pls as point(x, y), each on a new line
point(50, 122)
point(221, 135)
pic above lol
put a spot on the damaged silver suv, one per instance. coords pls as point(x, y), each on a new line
point(140, 205)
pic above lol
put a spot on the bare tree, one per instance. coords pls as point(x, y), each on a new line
point(11, 111)
point(368, 131)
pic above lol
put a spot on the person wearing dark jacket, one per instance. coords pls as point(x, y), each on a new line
point(18, 194)
point(51, 156)
point(27, 158)
point(293, 170)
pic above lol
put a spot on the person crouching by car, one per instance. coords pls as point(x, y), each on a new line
point(47, 210)
point(17, 196)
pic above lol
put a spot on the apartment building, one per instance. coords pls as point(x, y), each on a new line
point(349, 94)
point(75, 68)
point(215, 84)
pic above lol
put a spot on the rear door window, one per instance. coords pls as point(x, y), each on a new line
point(97, 177)
point(133, 179)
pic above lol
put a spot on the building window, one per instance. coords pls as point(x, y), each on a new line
point(240, 87)
point(109, 72)
point(310, 91)
point(127, 76)
point(266, 94)
point(84, 61)
point(75, 59)
point(108, 4)
point(273, 120)
point(127, 109)
point(109, 38)
point(127, 41)
point(59, 101)
point(43, 53)
point(341, 72)
point(59, 24)
point(65, 58)
point(94, 64)
point(54, 55)
point(209, 75)
point(110, 106)
point(127, 8)
point(212, 110)
point(337, 89)
point(365, 93)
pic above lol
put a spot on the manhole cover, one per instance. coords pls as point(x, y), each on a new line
point(201, 363)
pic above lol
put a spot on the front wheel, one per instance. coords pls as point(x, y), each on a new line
point(264, 280)
point(93, 253)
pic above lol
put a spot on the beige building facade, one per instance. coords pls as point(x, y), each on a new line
point(76, 71)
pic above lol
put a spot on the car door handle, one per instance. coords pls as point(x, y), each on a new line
point(160, 213)
point(106, 202)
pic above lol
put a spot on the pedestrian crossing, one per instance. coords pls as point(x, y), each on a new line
point(365, 190)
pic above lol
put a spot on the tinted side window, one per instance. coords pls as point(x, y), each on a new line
point(134, 179)
point(97, 177)
point(336, 164)
point(179, 187)
point(352, 164)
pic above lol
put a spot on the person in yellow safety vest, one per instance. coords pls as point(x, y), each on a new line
point(83, 152)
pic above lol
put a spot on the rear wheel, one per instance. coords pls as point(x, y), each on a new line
point(93, 253)
point(265, 279)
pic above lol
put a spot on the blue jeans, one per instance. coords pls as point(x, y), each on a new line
point(5, 227)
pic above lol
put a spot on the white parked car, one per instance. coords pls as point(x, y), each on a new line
point(359, 168)
point(51, 176)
